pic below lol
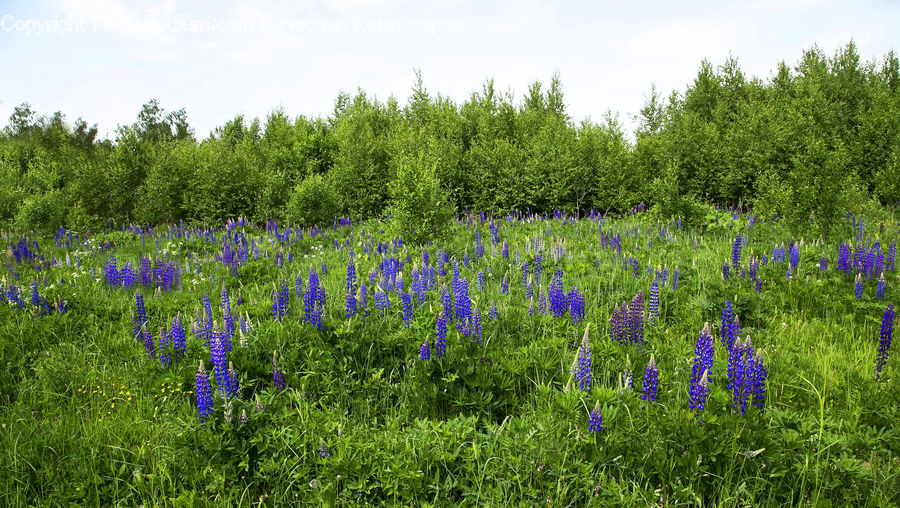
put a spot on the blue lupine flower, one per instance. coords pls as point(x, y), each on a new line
point(351, 289)
point(651, 380)
point(139, 320)
point(164, 356)
point(178, 338)
point(726, 329)
point(891, 255)
point(699, 394)
point(324, 452)
point(703, 361)
point(584, 363)
point(654, 303)
point(406, 298)
point(736, 253)
point(823, 263)
point(596, 419)
point(627, 377)
point(636, 319)
point(217, 356)
point(277, 374)
point(425, 350)
point(228, 321)
point(231, 381)
point(446, 299)
point(879, 293)
point(884, 345)
point(476, 326)
point(149, 346)
point(795, 256)
point(203, 393)
point(725, 271)
point(440, 345)
point(492, 312)
point(859, 286)
point(758, 385)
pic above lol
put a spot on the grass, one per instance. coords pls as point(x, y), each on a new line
point(88, 417)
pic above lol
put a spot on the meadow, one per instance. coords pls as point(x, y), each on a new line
point(524, 360)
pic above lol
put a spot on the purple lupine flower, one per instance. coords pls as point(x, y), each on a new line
point(726, 330)
point(277, 374)
point(351, 289)
point(178, 338)
point(149, 346)
point(884, 345)
point(636, 319)
point(741, 374)
point(164, 356)
point(758, 384)
point(795, 256)
point(139, 320)
point(703, 360)
point(525, 274)
point(480, 281)
point(406, 298)
point(596, 419)
point(492, 312)
point(203, 393)
point(627, 377)
point(231, 381)
point(654, 303)
point(736, 253)
point(425, 350)
point(675, 279)
point(324, 452)
point(879, 293)
point(891, 255)
point(440, 345)
point(217, 356)
point(228, 320)
point(462, 303)
point(823, 263)
point(859, 286)
point(651, 380)
point(576, 306)
point(504, 284)
point(583, 374)
point(476, 326)
point(446, 299)
point(844, 258)
point(725, 271)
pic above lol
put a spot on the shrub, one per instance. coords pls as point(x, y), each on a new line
point(314, 201)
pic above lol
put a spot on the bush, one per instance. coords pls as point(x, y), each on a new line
point(419, 210)
point(43, 212)
point(314, 201)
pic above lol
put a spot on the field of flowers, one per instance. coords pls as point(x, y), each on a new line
point(524, 360)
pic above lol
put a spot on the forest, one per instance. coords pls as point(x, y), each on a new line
point(807, 144)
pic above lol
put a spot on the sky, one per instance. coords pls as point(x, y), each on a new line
point(102, 59)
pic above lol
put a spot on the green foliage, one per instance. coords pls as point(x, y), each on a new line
point(313, 202)
point(41, 212)
point(808, 144)
point(419, 212)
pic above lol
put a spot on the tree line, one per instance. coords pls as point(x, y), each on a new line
point(807, 144)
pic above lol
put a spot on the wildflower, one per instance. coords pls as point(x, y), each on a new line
point(884, 345)
point(651, 380)
point(736, 253)
point(627, 375)
point(277, 375)
point(164, 356)
point(859, 286)
point(726, 330)
point(758, 384)
point(178, 339)
point(492, 312)
point(203, 394)
point(654, 303)
point(324, 452)
point(440, 345)
point(351, 289)
point(584, 362)
point(596, 419)
point(425, 350)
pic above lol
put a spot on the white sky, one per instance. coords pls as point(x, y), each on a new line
point(104, 58)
